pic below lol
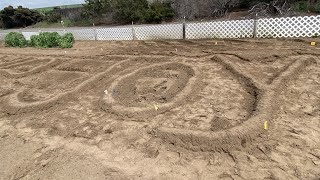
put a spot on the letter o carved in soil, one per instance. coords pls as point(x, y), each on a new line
point(150, 91)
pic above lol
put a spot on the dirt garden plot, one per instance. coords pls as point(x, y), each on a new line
point(239, 109)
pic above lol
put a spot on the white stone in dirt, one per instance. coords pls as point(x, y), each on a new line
point(106, 91)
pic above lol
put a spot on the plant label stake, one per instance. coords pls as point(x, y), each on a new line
point(266, 125)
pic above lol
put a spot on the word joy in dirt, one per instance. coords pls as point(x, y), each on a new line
point(176, 93)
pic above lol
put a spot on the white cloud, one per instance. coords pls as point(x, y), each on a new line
point(37, 3)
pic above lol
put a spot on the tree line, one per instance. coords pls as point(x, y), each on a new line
point(18, 17)
point(156, 11)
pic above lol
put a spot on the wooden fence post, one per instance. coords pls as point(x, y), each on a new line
point(184, 28)
point(255, 27)
point(95, 32)
point(133, 32)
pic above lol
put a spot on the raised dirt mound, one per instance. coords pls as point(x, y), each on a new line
point(151, 90)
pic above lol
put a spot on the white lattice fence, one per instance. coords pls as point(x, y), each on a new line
point(305, 26)
point(2, 36)
point(59, 31)
point(114, 34)
point(28, 35)
point(83, 34)
point(152, 32)
point(220, 29)
point(5, 32)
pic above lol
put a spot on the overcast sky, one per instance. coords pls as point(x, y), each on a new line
point(37, 3)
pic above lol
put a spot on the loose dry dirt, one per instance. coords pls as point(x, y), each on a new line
point(161, 110)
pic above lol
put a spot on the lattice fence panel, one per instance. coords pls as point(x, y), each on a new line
point(28, 35)
point(82, 34)
point(2, 35)
point(59, 31)
point(305, 26)
point(220, 29)
point(165, 31)
point(114, 34)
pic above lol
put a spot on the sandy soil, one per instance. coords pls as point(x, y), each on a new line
point(237, 109)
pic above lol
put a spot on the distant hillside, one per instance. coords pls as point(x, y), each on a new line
point(45, 9)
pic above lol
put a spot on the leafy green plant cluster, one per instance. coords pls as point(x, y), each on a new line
point(66, 41)
point(43, 40)
point(15, 39)
point(53, 39)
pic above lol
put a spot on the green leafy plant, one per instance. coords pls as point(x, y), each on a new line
point(50, 40)
point(33, 41)
point(45, 40)
point(66, 41)
point(15, 39)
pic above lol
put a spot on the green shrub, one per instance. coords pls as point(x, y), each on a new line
point(66, 41)
point(33, 41)
point(15, 39)
point(49, 40)
point(45, 40)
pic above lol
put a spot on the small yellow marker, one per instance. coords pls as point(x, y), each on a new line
point(313, 43)
point(266, 125)
point(156, 107)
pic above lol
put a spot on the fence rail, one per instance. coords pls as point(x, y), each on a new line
point(303, 26)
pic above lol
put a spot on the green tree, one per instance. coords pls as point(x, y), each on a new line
point(6, 16)
point(95, 8)
point(19, 17)
point(159, 11)
point(53, 16)
point(126, 11)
